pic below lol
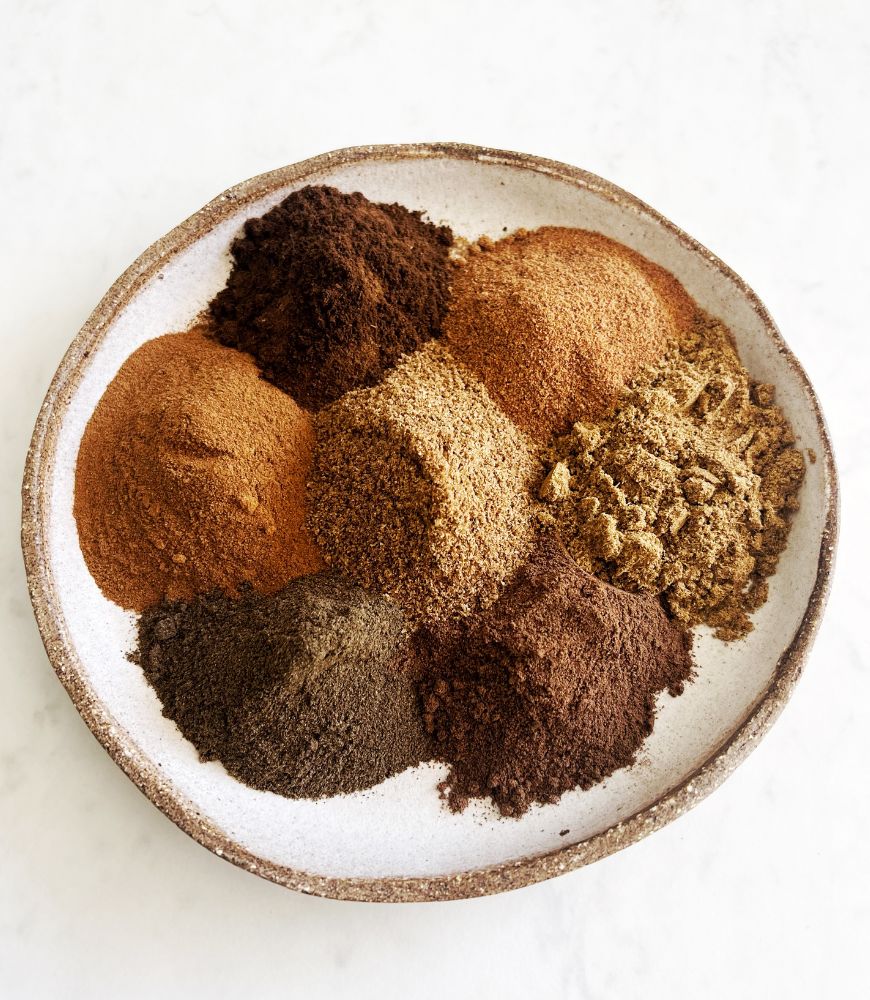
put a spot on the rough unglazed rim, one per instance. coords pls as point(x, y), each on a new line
point(147, 776)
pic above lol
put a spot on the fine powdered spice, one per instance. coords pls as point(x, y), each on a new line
point(191, 475)
point(686, 489)
point(328, 289)
point(555, 322)
point(551, 688)
point(421, 488)
point(302, 693)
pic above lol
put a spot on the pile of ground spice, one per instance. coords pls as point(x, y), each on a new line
point(421, 488)
point(555, 322)
point(328, 289)
point(303, 693)
point(686, 489)
point(191, 475)
point(551, 688)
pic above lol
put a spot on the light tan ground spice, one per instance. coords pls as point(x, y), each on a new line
point(555, 322)
point(686, 489)
point(191, 476)
point(421, 488)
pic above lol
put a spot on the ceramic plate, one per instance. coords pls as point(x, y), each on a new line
point(397, 841)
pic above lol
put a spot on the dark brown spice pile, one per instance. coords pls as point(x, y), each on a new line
point(328, 289)
point(551, 688)
point(304, 693)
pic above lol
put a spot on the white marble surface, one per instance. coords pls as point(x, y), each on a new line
point(745, 126)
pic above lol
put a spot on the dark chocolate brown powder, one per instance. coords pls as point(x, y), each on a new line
point(301, 693)
point(328, 289)
point(551, 688)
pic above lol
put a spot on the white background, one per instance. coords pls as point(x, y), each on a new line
point(746, 124)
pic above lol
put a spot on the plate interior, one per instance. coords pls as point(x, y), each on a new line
point(400, 828)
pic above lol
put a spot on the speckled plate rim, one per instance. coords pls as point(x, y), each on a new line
point(146, 775)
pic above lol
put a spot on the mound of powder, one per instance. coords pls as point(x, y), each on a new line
point(555, 322)
point(301, 693)
point(686, 489)
point(191, 475)
point(420, 488)
point(328, 289)
point(551, 688)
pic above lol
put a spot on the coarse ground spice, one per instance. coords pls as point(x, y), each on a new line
point(687, 488)
point(191, 475)
point(303, 693)
point(556, 321)
point(328, 289)
point(551, 688)
point(421, 488)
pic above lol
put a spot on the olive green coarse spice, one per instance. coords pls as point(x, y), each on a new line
point(421, 488)
point(687, 488)
point(304, 693)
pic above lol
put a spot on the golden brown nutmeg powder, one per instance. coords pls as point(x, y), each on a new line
point(555, 322)
point(420, 488)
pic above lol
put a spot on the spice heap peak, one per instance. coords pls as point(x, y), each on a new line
point(191, 475)
point(555, 322)
point(329, 289)
point(421, 488)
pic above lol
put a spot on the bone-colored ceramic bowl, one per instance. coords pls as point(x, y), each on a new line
point(397, 842)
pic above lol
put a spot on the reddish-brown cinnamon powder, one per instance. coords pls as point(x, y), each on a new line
point(191, 475)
